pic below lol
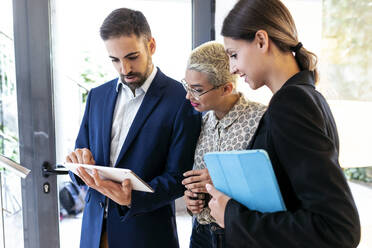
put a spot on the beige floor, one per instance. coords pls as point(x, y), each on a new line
point(70, 231)
point(70, 227)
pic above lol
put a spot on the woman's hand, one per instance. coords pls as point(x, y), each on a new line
point(218, 205)
point(195, 206)
point(196, 180)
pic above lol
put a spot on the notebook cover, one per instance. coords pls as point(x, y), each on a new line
point(246, 176)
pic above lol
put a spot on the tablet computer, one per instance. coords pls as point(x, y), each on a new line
point(114, 174)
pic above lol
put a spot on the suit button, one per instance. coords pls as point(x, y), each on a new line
point(101, 204)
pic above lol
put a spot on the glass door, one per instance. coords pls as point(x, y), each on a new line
point(33, 77)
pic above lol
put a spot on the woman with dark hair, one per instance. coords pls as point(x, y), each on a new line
point(298, 132)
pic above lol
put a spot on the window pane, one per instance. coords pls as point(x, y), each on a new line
point(10, 183)
point(12, 210)
point(8, 95)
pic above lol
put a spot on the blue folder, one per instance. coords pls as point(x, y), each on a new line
point(247, 177)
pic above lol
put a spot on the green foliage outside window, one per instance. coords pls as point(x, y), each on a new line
point(9, 144)
point(360, 174)
point(91, 76)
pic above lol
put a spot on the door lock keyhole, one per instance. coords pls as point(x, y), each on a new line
point(46, 188)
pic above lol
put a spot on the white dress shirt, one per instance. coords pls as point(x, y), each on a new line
point(126, 108)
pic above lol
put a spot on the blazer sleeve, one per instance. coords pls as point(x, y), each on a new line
point(327, 216)
point(168, 186)
point(82, 141)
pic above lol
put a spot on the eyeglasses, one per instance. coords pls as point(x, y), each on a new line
point(194, 93)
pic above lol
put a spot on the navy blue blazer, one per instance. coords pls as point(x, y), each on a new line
point(159, 148)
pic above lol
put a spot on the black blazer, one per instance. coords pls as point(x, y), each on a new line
point(299, 133)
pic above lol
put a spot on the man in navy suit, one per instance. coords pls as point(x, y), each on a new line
point(142, 122)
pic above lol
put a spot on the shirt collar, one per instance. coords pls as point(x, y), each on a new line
point(145, 86)
point(232, 115)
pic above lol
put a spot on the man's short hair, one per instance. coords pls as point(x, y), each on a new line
point(125, 22)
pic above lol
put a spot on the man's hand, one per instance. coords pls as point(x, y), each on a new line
point(195, 206)
point(217, 204)
point(196, 180)
point(81, 156)
point(119, 193)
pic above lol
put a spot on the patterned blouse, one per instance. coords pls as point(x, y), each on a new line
point(232, 132)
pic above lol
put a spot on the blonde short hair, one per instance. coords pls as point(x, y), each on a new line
point(210, 58)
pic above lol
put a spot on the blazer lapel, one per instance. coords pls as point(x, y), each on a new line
point(109, 107)
point(152, 97)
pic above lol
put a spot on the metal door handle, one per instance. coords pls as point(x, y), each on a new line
point(48, 170)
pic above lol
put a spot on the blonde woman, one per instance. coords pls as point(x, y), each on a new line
point(229, 123)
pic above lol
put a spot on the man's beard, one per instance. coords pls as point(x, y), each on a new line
point(136, 84)
point(141, 77)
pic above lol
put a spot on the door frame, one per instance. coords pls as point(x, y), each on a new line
point(32, 45)
point(203, 21)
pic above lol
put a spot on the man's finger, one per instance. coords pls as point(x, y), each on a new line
point(96, 177)
point(87, 156)
point(85, 176)
point(126, 184)
point(73, 158)
point(68, 159)
point(79, 155)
